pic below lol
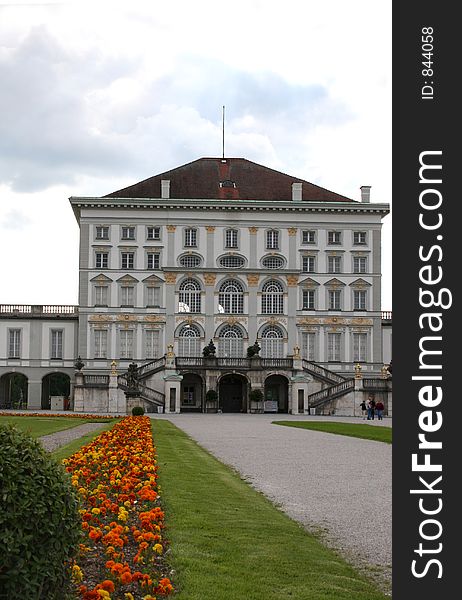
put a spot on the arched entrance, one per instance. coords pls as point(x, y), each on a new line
point(276, 394)
point(13, 391)
point(191, 393)
point(55, 384)
point(232, 393)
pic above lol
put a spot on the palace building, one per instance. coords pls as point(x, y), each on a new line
point(278, 278)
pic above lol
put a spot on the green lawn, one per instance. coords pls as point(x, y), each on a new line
point(38, 426)
point(363, 431)
point(228, 542)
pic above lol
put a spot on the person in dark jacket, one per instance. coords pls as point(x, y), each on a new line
point(379, 408)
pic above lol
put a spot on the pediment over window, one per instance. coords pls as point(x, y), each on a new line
point(360, 283)
point(153, 279)
point(127, 279)
point(309, 283)
point(334, 283)
point(101, 279)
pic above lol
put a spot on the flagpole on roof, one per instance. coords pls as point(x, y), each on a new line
point(223, 120)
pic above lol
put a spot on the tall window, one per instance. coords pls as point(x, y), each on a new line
point(231, 238)
point(359, 264)
point(127, 295)
point(190, 237)
point(231, 297)
point(14, 343)
point(308, 300)
point(272, 239)
point(153, 233)
point(100, 343)
point(56, 343)
point(154, 260)
point(153, 296)
point(128, 233)
point(359, 300)
point(126, 343)
point(151, 343)
point(272, 345)
point(308, 345)
point(230, 342)
point(334, 264)
point(190, 296)
point(308, 264)
point(189, 341)
point(102, 232)
point(333, 347)
point(272, 298)
point(335, 299)
point(308, 237)
point(101, 260)
point(359, 238)
point(334, 237)
point(128, 260)
point(101, 295)
point(359, 347)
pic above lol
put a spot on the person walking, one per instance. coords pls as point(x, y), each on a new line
point(379, 408)
point(363, 408)
point(371, 408)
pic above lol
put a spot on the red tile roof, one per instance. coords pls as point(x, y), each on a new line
point(227, 179)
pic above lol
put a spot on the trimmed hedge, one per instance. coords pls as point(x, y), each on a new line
point(137, 411)
point(39, 520)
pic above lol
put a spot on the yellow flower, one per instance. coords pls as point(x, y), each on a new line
point(128, 596)
point(158, 548)
point(77, 574)
point(95, 511)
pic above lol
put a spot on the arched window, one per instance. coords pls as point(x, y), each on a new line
point(230, 342)
point(190, 296)
point(189, 341)
point(231, 297)
point(272, 345)
point(272, 299)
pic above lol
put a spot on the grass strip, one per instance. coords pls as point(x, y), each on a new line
point(38, 426)
point(228, 542)
point(363, 431)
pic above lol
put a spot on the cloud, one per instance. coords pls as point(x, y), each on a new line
point(15, 220)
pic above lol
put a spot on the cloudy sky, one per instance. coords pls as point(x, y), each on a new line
point(96, 95)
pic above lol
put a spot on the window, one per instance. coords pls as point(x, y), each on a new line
point(190, 238)
point(126, 343)
point(359, 264)
point(190, 296)
point(334, 237)
point(272, 239)
point(56, 343)
point(334, 264)
point(102, 232)
point(230, 342)
point(308, 300)
point(101, 295)
point(153, 233)
point(128, 233)
point(334, 299)
point(272, 299)
point(153, 296)
point(231, 297)
point(273, 262)
point(127, 295)
point(190, 261)
point(101, 260)
point(154, 260)
point(189, 341)
point(152, 343)
point(188, 395)
point(359, 300)
point(359, 347)
point(308, 345)
point(272, 344)
point(128, 260)
point(308, 237)
point(333, 347)
point(100, 343)
point(232, 262)
point(359, 238)
point(308, 264)
point(14, 343)
point(231, 238)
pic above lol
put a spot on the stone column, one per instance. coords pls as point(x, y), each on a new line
point(34, 394)
point(79, 401)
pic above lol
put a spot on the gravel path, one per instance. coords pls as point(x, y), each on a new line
point(61, 438)
point(335, 485)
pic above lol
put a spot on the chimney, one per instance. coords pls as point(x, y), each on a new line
point(365, 193)
point(297, 192)
point(165, 188)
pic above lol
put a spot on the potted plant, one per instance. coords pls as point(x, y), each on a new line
point(211, 398)
point(256, 400)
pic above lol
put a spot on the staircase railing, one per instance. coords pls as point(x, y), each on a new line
point(151, 367)
point(330, 393)
point(146, 393)
point(322, 372)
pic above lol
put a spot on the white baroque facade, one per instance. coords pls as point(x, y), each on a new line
point(229, 252)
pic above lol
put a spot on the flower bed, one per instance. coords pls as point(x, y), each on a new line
point(122, 556)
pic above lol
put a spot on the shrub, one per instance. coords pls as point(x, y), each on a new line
point(39, 520)
point(256, 395)
point(211, 396)
point(137, 411)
